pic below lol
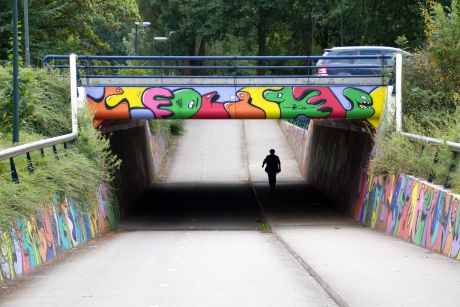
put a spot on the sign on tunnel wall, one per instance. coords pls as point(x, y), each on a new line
point(229, 102)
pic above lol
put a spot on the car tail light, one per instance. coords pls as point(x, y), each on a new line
point(323, 71)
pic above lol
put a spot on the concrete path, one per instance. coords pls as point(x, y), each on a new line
point(261, 136)
point(195, 241)
point(362, 267)
point(210, 151)
point(359, 267)
point(176, 268)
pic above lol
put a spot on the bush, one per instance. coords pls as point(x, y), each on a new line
point(431, 105)
point(169, 127)
point(77, 170)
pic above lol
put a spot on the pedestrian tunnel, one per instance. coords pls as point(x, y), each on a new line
point(344, 111)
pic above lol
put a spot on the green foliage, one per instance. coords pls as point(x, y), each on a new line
point(431, 105)
point(443, 41)
point(44, 99)
point(6, 97)
point(168, 127)
point(62, 26)
point(397, 154)
point(77, 171)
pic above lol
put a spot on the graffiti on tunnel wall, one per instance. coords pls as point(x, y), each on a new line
point(400, 205)
point(412, 210)
point(33, 241)
point(229, 102)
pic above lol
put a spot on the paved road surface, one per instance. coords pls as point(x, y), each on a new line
point(202, 246)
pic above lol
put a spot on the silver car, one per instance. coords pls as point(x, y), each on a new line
point(348, 62)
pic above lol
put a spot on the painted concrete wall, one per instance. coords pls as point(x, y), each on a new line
point(331, 156)
point(32, 241)
point(142, 156)
point(400, 205)
point(299, 141)
point(236, 102)
point(410, 209)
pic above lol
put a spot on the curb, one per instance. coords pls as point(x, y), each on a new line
point(320, 280)
point(316, 276)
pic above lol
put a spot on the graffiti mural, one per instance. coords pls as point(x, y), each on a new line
point(412, 210)
point(299, 141)
point(159, 149)
point(229, 102)
point(399, 205)
point(33, 241)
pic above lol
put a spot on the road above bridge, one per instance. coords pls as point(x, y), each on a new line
point(197, 240)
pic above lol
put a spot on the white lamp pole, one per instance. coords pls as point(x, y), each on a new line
point(139, 24)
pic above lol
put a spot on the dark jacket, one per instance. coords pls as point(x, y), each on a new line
point(273, 164)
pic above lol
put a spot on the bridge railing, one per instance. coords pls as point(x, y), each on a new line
point(15, 151)
point(173, 67)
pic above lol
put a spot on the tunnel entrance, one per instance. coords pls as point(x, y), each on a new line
point(213, 179)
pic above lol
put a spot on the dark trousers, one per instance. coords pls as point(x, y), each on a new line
point(272, 179)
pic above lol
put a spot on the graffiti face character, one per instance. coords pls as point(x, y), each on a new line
point(361, 103)
point(291, 107)
point(184, 104)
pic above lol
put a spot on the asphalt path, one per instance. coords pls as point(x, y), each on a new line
point(197, 238)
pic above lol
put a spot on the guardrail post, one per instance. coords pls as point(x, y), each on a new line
point(14, 173)
point(55, 152)
point(30, 166)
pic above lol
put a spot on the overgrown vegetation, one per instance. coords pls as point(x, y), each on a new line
point(76, 170)
point(169, 127)
point(431, 104)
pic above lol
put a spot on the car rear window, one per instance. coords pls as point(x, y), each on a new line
point(338, 61)
point(369, 61)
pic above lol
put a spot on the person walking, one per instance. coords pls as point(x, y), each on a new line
point(273, 167)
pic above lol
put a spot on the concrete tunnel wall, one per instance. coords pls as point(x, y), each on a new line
point(332, 156)
point(141, 154)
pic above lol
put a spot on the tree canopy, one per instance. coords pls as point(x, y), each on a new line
point(198, 27)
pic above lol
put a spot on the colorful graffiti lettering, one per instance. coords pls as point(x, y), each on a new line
point(412, 210)
point(237, 103)
point(36, 240)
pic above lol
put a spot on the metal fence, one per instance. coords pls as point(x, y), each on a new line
point(168, 67)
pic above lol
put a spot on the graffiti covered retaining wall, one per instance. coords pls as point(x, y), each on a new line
point(412, 210)
point(159, 144)
point(299, 140)
point(230, 102)
point(33, 241)
point(331, 155)
point(142, 154)
point(399, 205)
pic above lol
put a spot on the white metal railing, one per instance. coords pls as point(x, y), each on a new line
point(454, 146)
point(25, 148)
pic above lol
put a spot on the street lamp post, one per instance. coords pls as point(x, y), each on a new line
point(160, 39)
point(139, 24)
point(15, 74)
point(170, 41)
point(26, 32)
point(341, 22)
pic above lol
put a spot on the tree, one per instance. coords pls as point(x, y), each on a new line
point(62, 26)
